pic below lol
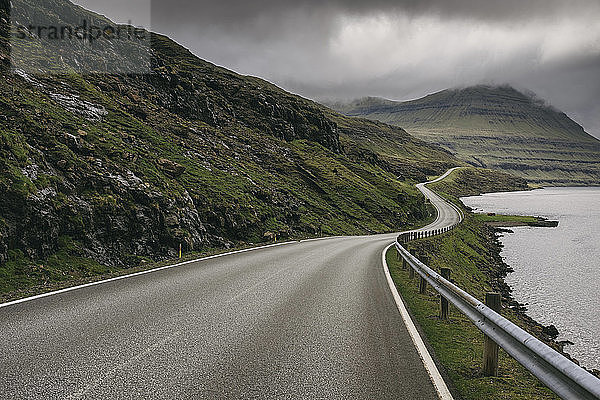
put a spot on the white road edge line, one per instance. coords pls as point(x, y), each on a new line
point(320, 238)
point(39, 296)
point(432, 370)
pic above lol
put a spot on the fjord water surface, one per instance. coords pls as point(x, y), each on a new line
point(556, 270)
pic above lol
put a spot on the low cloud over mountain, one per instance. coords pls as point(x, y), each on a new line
point(394, 49)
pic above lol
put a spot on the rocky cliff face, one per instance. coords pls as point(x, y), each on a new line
point(118, 168)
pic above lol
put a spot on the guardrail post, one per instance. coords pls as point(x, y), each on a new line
point(423, 282)
point(443, 302)
point(411, 270)
point(490, 349)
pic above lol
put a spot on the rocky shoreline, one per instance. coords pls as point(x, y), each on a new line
point(474, 182)
point(497, 273)
point(540, 223)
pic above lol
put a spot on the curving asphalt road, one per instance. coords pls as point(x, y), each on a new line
point(447, 213)
point(310, 319)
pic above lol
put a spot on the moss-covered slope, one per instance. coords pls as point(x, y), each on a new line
point(102, 170)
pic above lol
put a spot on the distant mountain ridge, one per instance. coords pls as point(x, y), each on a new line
point(496, 127)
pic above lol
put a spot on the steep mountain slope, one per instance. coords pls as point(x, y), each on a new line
point(99, 171)
point(495, 127)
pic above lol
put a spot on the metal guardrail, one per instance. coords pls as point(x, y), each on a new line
point(564, 377)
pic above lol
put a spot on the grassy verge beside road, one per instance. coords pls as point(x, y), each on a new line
point(472, 252)
point(52, 276)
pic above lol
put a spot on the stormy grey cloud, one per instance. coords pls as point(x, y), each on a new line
point(395, 49)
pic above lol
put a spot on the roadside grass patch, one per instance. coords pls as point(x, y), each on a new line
point(457, 343)
point(472, 252)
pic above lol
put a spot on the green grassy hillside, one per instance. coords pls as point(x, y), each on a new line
point(102, 171)
point(495, 127)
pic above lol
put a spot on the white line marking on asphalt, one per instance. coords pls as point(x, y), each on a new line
point(39, 296)
point(434, 373)
point(108, 374)
point(320, 238)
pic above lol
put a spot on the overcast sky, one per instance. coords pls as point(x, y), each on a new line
point(397, 49)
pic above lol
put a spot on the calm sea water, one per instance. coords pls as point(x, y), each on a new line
point(557, 270)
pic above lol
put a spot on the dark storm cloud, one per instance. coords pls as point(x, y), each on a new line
point(397, 49)
point(232, 11)
point(267, 19)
